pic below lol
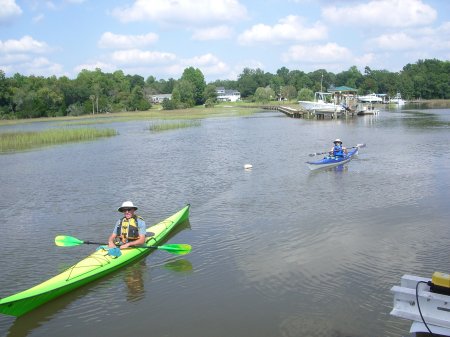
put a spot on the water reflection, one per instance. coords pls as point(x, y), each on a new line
point(180, 265)
point(295, 252)
point(343, 168)
point(134, 280)
point(23, 326)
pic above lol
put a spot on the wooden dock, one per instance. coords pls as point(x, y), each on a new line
point(288, 111)
point(300, 113)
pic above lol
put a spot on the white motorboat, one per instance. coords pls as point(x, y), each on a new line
point(323, 102)
point(424, 301)
point(397, 99)
point(371, 98)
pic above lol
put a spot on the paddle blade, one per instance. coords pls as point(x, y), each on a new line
point(176, 248)
point(360, 145)
point(67, 241)
point(316, 154)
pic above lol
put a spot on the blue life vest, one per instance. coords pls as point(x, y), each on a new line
point(338, 151)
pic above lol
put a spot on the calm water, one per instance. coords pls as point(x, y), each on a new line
point(277, 251)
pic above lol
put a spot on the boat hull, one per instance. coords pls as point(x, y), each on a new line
point(320, 107)
point(332, 161)
point(434, 307)
point(93, 267)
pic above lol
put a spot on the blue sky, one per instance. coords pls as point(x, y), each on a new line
point(220, 37)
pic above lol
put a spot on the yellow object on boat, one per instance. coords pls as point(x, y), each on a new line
point(441, 279)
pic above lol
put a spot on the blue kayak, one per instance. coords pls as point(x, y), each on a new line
point(331, 161)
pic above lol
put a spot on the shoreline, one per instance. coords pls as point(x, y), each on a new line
point(225, 109)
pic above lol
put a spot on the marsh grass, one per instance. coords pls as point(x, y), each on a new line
point(170, 125)
point(19, 141)
point(227, 109)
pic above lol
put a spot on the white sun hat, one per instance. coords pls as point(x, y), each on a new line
point(337, 140)
point(127, 204)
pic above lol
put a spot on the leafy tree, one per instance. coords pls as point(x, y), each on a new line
point(351, 77)
point(137, 100)
point(210, 93)
point(305, 94)
point(169, 104)
point(227, 84)
point(250, 80)
point(264, 95)
point(322, 80)
point(196, 78)
point(284, 74)
point(276, 84)
point(183, 94)
point(289, 92)
point(300, 80)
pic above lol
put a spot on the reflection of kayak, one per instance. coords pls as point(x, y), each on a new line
point(331, 161)
point(91, 268)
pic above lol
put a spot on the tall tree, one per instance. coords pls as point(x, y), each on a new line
point(196, 78)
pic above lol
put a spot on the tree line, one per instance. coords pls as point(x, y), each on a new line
point(93, 92)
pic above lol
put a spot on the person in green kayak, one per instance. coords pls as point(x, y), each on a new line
point(130, 230)
point(338, 150)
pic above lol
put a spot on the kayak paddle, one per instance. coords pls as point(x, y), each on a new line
point(319, 153)
point(174, 248)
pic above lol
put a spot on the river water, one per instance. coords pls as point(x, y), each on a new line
point(277, 250)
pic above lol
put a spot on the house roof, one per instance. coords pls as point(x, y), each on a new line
point(342, 88)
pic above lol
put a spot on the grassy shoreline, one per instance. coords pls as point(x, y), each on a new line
point(199, 112)
point(21, 140)
point(226, 109)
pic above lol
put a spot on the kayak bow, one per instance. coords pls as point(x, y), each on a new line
point(94, 266)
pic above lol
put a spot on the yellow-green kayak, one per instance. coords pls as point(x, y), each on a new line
point(91, 268)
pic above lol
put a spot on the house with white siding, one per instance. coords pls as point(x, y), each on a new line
point(160, 98)
point(225, 95)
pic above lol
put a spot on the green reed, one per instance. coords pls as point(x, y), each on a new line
point(19, 141)
point(170, 125)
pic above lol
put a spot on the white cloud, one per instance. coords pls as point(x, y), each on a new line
point(382, 13)
point(328, 53)
point(137, 56)
point(38, 18)
point(39, 66)
point(105, 67)
point(25, 45)
point(119, 41)
point(182, 12)
point(13, 59)
point(213, 33)
point(395, 41)
point(10, 10)
point(290, 28)
point(435, 39)
point(207, 63)
point(365, 59)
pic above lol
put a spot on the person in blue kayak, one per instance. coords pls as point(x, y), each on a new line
point(338, 150)
point(130, 230)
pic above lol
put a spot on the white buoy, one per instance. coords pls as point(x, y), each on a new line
point(248, 166)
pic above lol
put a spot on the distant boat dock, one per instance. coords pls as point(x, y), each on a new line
point(301, 113)
point(288, 111)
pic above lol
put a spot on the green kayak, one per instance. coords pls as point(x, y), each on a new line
point(94, 266)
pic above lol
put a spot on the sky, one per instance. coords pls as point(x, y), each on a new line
point(161, 38)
